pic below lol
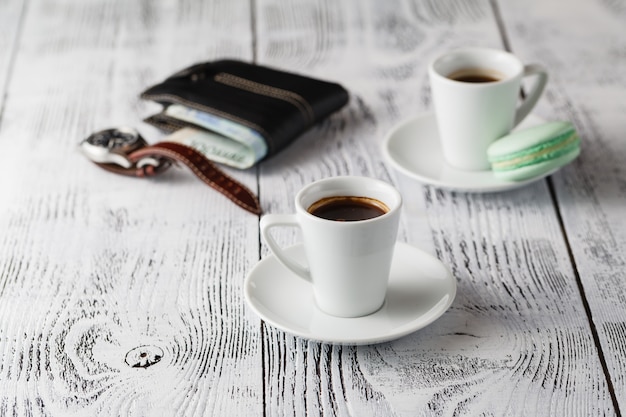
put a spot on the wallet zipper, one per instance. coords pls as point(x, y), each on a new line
point(290, 97)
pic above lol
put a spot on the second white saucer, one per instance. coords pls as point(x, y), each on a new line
point(420, 290)
point(413, 148)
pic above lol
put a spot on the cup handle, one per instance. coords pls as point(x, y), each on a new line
point(533, 96)
point(270, 221)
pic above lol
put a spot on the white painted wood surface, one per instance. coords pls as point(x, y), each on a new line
point(588, 87)
point(96, 270)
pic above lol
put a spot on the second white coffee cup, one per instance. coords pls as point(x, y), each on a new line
point(349, 252)
point(475, 95)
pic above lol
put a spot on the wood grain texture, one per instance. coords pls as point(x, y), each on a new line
point(586, 56)
point(517, 340)
point(118, 296)
point(11, 13)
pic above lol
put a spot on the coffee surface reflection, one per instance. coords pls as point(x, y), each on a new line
point(476, 75)
point(348, 208)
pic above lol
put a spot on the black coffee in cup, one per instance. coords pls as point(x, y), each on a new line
point(476, 75)
point(348, 208)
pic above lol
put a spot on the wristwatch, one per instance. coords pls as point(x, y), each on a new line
point(112, 146)
point(124, 151)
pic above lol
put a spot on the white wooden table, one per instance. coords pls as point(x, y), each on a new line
point(94, 266)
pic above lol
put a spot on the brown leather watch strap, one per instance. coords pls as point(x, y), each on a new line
point(204, 169)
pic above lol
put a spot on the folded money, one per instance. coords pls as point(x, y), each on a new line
point(216, 147)
point(222, 140)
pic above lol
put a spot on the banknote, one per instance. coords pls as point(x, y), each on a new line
point(234, 144)
point(216, 147)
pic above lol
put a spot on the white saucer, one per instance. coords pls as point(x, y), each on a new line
point(413, 148)
point(420, 290)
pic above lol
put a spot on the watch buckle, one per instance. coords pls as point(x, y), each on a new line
point(148, 161)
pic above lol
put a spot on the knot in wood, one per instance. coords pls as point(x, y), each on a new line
point(144, 356)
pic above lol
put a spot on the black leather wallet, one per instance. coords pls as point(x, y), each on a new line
point(276, 104)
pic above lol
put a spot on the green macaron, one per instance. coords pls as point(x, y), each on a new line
point(534, 151)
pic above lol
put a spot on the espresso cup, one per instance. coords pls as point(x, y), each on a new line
point(349, 227)
point(475, 94)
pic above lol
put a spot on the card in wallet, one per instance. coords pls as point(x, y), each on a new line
point(239, 113)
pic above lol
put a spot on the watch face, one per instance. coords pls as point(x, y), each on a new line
point(114, 138)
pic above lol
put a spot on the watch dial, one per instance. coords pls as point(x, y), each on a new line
point(113, 138)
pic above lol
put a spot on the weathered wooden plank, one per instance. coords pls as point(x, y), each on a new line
point(99, 273)
point(11, 13)
point(517, 340)
point(584, 47)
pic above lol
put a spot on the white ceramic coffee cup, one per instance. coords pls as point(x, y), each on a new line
point(471, 116)
point(348, 263)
